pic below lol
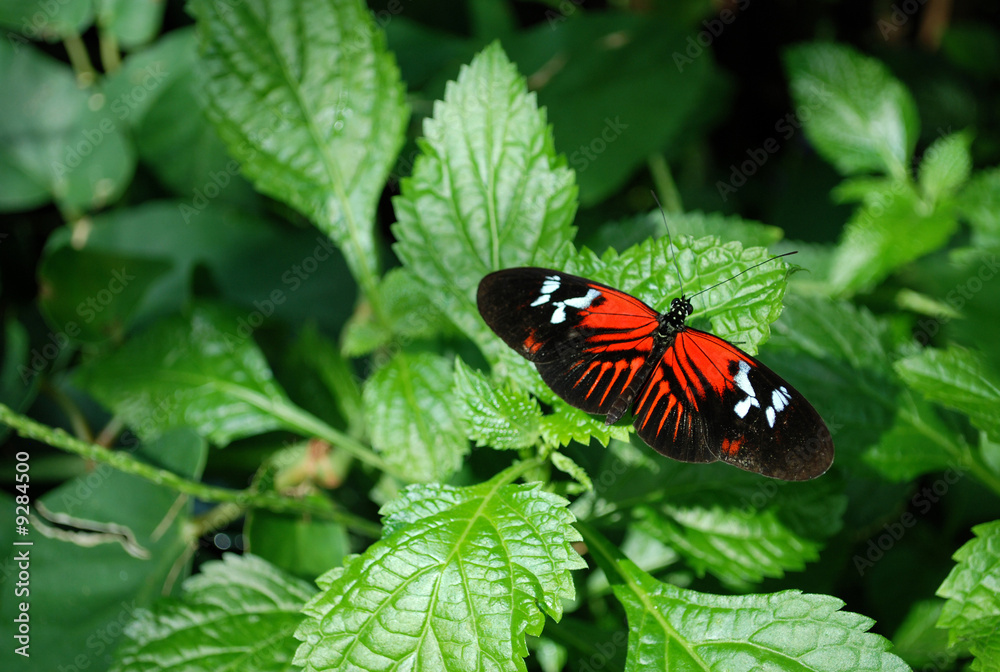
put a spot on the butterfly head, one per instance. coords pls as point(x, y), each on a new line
point(680, 310)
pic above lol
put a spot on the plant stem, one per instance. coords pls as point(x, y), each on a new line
point(124, 462)
point(659, 169)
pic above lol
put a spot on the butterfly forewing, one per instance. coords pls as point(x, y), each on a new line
point(588, 341)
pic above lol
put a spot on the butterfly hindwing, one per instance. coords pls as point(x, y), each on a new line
point(708, 400)
point(588, 341)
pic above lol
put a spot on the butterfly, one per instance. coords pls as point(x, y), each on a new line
point(695, 396)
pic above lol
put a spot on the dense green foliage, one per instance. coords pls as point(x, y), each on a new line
point(239, 307)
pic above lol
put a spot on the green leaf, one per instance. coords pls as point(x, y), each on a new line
point(739, 547)
point(487, 192)
point(409, 315)
point(93, 296)
point(60, 142)
point(739, 311)
point(132, 22)
point(979, 202)
point(203, 371)
point(412, 416)
point(628, 232)
point(917, 443)
point(957, 379)
point(499, 416)
point(308, 100)
point(671, 628)
point(109, 543)
point(859, 117)
point(946, 166)
point(460, 576)
point(737, 526)
point(48, 21)
point(566, 424)
point(972, 612)
point(566, 465)
point(238, 613)
point(18, 375)
point(919, 641)
point(893, 227)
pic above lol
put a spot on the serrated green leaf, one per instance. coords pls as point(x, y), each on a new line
point(628, 232)
point(409, 315)
point(566, 424)
point(202, 371)
point(739, 547)
point(238, 613)
point(972, 612)
point(945, 166)
point(412, 419)
point(487, 192)
point(979, 202)
point(957, 379)
point(459, 578)
point(565, 464)
point(132, 22)
point(739, 311)
point(857, 114)
point(891, 228)
point(671, 628)
point(499, 416)
point(307, 98)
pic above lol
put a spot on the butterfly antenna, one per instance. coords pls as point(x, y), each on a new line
point(777, 256)
point(670, 243)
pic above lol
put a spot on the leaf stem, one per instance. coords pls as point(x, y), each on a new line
point(128, 464)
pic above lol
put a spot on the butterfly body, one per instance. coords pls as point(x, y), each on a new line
point(695, 397)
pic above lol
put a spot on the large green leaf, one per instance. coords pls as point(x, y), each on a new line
point(859, 117)
point(972, 612)
point(459, 578)
point(892, 227)
point(109, 543)
point(203, 371)
point(673, 629)
point(59, 141)
point(958, 379)
point(240, 613)
point(488, 191)
point(413, 418)
point(307, 98)
point(979, 202)
point(742, 310)
point(945, 166)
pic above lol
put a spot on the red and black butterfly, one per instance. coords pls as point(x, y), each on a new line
point(697, 398)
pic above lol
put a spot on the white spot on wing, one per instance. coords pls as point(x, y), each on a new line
point(583, 301)
point(559, 314)
point(743, 381)
point(769, 412)
point(743, 407)
point(544, 298)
